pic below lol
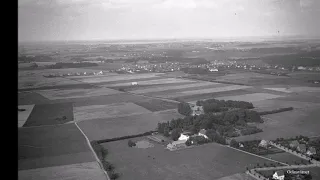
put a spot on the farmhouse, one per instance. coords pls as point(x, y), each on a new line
point(202, 132)
point(294, 144)
point(134, 83)
point(176, 144)
point(311, 151)
point(183, 137)
point(278, 175)
point(213, 70)
point(302, 148)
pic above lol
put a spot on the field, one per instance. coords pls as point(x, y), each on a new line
point(127, 82)
point(117, 77)
point(286, 158)
point(107, 111)
point(23, 115)
point(76, 93)
point(157, 104)
point(202, 91)
point(302, 121)
point(152, 82)
point(165, 88)
point(170, 114)
point(210, 161)
point(99, 129)
point(47, 146)
point(50, 114)
point(250, 97)
point(25, 98)
point(37, 82)
point(89, 170)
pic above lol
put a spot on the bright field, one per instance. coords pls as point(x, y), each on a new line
point(250, 97)
point(76, 93)
point(107, 111)
point(98, 129)
point(89, 170)
point(23, 115)
point(164, 88)
point(207, 162)
point(38, 82)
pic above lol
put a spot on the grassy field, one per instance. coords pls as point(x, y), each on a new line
point(303, 121)
point(157, 104)
point(117, 77)
point(89, 170)
point(166, 88)
point(52, 146)
point(107, 111)
point(25, 98)
point(286, 158)
point(210, 161)
point(99, 129)
point(76, 93)
point(202, 91)
point(50, 114)
point(250, 97)
point(23, 115)
point(152, 82)
point(169, 114)
point(40, 81)
point(182, 89)
point(128, 82)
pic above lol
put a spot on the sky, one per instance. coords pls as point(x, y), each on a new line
point(66, 20)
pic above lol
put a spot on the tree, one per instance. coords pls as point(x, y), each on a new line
point(114, 175)
point(175, 134)
point(184, 108)
point(166, 132)
point(234, 143)
point(131, 143)
point(188, 142)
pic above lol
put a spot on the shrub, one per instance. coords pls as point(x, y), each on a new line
point(114, 175)
point(234, 143)
point(131, 143)
point(184, 108)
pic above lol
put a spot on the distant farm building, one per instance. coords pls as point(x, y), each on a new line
point(213, 70)
point(134, 83)
point(183, 137)
point(196, 110)
point(302, 148)
point(176, 145)
point(263, 143)
point(202, 132)
point(311, 151)
point(279, 175)
point(294, 144)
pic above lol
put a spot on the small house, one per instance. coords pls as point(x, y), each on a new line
point(202, 132)
point(294, 144)
point(263, 143)
point(241, 145)
point(311, 151)
point(279, 175)
point(134, 83)
point(302, 148)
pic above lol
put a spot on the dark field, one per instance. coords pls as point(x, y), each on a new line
point(213, 95)
point(67, 86)
point(210, 161)
point(98, 129)
point(287, 158)
point(157, 105)
point(26, 98)
point(52, 145)
point(50, 114)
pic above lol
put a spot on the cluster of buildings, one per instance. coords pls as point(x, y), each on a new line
point(184, 137)
point(75, 74)
point(302, 148)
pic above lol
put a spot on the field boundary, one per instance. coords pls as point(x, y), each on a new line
point(125, 137)
point(94, 153)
